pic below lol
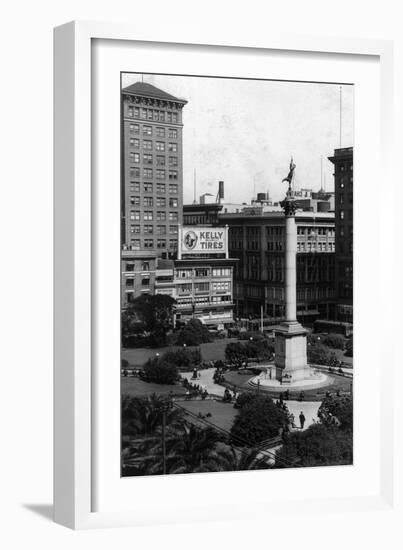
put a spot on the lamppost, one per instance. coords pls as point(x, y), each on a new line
point(164, 408)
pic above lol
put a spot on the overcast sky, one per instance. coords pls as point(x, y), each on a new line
point(244, 132)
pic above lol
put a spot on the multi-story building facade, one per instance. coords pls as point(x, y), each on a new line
point(151, 183)
point(201, 279)
point(343, 185)
point(257, 240)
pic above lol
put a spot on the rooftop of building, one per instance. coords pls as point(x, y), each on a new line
point(144, 89)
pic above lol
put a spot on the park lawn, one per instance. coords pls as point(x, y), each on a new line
point(138, 388)
point(222, 414)
point(212, 351)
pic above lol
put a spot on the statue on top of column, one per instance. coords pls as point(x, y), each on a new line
point(290, 176)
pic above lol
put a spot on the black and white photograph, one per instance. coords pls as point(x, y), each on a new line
point(236, 274)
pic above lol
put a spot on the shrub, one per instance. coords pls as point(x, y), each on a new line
point(186, 358)
point(337, 407)
point(319, 445)
point(236, 353)
point(249, 334)
point(335, 341)
point(258, 420)
point(193, 333)
point(321, 355)
point(160, 371)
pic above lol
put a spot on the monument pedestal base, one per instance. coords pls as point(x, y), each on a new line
point(290, 348)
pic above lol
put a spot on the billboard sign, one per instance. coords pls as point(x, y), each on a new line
point(204, 240)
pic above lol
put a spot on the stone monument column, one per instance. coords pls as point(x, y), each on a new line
point(290, 344)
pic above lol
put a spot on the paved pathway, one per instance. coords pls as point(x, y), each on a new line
point(309, 408)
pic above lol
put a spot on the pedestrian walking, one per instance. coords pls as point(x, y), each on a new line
point(302, 420)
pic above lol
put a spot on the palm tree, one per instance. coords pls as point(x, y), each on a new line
point(237, 459)
point(143, 416)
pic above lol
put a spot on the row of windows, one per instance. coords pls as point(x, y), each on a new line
point(148, 173)
point(315, 247)
point(145, 266)
point(152, 114)
point(148, 159)
point(150, 201)
point(148, 187)
point(150, 243)
point(148, 145)
point(160, 229)
point(148, 131)
point(148, 215)
point(204, 287)
point(203, 272)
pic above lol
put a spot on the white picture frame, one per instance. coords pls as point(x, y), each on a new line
point(75, 413)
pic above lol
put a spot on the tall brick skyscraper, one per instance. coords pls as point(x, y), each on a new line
point(343, 187)
point(152, 182)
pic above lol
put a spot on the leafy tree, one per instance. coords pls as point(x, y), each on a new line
point(337, 410)
point(193, 333)
point(236, 353)
point(186, 358)
point(349, 348)
point(319, 445)
point(321, 355)
point(151, 313)
point(258, 420)
point(160, 371)
point(237, 459)
point(335, 341)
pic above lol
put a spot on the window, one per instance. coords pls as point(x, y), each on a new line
point(202, 272)
point(160, 132)
point(147, 130)
point(173, 133)
point(134, 142)
point(134, 157)
point(147, 201)
point(173, 203)
point(173, 147)
point(174, 117)
point(161, 229)
point(342, 214)
point(160, 174)
point(135, 243)
point(134, 187)
point(129, 267)
point(148, 215)
point(161, 243)
point(134, 172)
point(173, 161)
point(148, 172)
point(148, 229)
point(173, 216)
point(143, 113)
point(135, 215)
point(173, 174)
point(160, 145)
point(134, 128)
point(148, 243)
point(173, 188)
point(160, 187)
point(161, 216)
point(147, 187)
point(161, 202)
point(130, 111)
point(129, 283)
point(147, 159)
point(150, 114)
point(160, 160)
point(173, 229)
point(134, 229)
point(135, 201)
point(147, 144)
point(173, 244)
